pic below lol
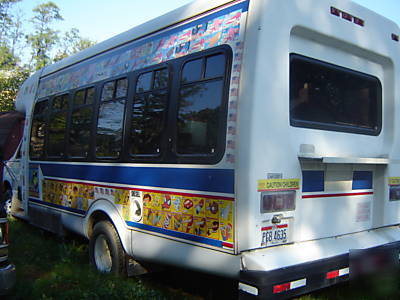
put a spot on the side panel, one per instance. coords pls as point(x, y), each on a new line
point(161, 212)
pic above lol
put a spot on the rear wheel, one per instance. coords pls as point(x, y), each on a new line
point(105, 249)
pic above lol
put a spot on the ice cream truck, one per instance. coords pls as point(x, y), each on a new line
point(252, 139)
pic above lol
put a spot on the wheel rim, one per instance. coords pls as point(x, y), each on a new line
point(102, 254)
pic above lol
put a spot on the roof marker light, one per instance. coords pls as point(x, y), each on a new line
point(335, 11)
point(358, 21)
point(346, 16)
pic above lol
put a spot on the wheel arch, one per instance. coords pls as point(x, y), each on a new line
point(103, 210)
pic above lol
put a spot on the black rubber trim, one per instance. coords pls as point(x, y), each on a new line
point(314, 272)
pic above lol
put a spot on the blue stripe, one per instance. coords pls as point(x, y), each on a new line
point(362, 180)
point(74, 210)
point(208, 180)
point(181, 235)
point(313, 181)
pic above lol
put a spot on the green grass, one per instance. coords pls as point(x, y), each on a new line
point(51, 268)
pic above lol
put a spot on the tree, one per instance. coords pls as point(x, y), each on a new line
point(10, 82)
point(72, 43)
point(44, 37)
point(8, 39)
point(6, 18)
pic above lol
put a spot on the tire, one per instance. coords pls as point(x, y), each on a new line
point(105, 249)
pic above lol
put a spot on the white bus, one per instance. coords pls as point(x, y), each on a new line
point(253, 139)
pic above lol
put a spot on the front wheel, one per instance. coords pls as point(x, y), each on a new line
point(105, 249)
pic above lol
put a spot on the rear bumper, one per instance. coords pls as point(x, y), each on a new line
point(7, 278)
point(307, 277)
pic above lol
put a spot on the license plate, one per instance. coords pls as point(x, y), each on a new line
point(275, 235)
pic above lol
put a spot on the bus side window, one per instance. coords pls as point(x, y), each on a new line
point(330, 97)
point(110, 119)
point(57, 126)
point(38, 130)
point(148, 112)
point(200, 105)
point(81, 123)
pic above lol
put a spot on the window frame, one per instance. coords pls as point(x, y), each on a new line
point(330, 126)
point(164, 149)
point(45, 115)
point(76, 107)
point(98, 103)
point(223, 114)
point(51, 113)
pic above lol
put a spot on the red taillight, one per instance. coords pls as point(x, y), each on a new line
point(281, 288)
point(277, 201)
point(337, 273)
point(332, 274)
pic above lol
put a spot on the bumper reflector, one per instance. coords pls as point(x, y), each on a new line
point(279, 288)
point(248, 289)
point(337, 273)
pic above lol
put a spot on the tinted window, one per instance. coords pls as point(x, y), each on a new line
point(79, 98)
point(122, 88)
point(41, 108)
point(110, 119)
point(89, 96)
point(60, 102)
point(325, 96)
point(56, 134)
point(109, 129)
point(198, 118)
point(161, 79)
point(79, 135)
point(215, 66)
point(192, 70)
point(148, 114)
point(147, 123)
point(143, 83)
point(81, 123)
point(108, 91)
point(38, 130)
point(200, 112)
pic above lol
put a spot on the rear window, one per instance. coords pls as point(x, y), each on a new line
point(329, 97)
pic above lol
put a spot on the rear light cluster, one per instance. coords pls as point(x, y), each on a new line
point(346, 16)
point(337, 273)
point(279, 288)
point(287, 286)
point(275, 201)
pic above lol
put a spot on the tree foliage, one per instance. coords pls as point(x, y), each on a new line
point(44, 38)
point(10, 81)
point(72, 43)
point(23, 52)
